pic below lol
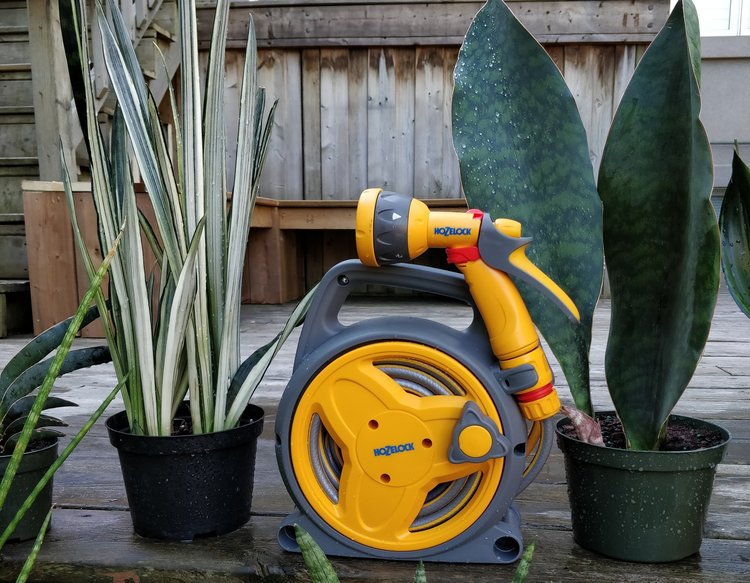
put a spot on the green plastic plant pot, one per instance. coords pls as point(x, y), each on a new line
point(33, 466)
point(640, 506)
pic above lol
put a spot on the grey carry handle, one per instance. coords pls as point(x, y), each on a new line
point(341, 280)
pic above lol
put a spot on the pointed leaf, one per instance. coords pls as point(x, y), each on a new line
point(16, 425)
point(249, 377)
point(38, 348)
point(24, 404)
point(734, 221)
point(318, 566)
point(59, 462)
point(523, 154)
point(33, 376)
point(660, 233)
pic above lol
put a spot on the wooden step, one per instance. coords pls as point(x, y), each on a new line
point(15, 306)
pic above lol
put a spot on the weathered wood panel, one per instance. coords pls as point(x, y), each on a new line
point(53, 96)
point(435, 162)
point(371, 22)
point(13, 171)
point(590, 75)
point(280, 73)
point(311, 171)
point(15, 85)
point(17, 133)
point(390, 119)
point(343, 122)
point(381, 116)
point(13, 262)
point(366, 86)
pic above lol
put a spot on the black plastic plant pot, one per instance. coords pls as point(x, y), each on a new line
point(33, 466)
point(640, 506)
point(188, 486)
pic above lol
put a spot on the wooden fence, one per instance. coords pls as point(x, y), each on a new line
point(364, 91)
point(365, 87)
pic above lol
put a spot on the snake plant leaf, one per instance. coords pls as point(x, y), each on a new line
point(33, 376)
point(734, 221)
point(251, 372)
point(661, 239)
point(16, 425)
point(24, 404)
point(38, 348)
point(318, 566)
point(523, 155)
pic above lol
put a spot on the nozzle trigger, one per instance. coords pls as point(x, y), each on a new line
point(508, 254)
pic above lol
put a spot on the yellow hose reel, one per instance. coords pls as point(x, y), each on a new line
point(403, 438)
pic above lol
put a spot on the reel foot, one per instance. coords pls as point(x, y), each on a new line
point(501, 543)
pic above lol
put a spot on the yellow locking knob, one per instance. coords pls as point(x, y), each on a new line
point(475, 441)
point(476, 438)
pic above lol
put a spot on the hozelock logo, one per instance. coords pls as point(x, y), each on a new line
point(393, 449)
point(448, 231)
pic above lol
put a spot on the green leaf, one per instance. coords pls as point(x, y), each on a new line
point(44, 421)
point(33, 376)
point(249, 377)
point(734, 221)
point(24, 404)
point(35, 350)
point(661, 238)
point(318, 565)
point(179, 317)
point(522, 571)
point(12, 440)
point(59, 462)
point(420, 576)
point(28, 564)
point(523, 154)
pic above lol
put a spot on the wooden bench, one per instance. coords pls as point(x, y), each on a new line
point(291, 245)
point(294, 242)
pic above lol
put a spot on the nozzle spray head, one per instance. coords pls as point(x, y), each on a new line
point(392, 228)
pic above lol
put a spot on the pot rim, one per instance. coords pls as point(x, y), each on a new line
point(32, 460)
point(122, 439)
point(641, 458)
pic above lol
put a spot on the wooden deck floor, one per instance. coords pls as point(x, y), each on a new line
point(91, 539)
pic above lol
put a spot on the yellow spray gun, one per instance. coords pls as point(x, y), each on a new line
point(392, 228)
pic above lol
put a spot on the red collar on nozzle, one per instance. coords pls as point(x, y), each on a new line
point(462, 254)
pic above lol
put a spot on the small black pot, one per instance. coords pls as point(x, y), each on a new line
point(33, 466)
point(640, 506)
point(188, 486)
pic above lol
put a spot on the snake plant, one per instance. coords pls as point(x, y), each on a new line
point(176, 335)
point(523, 155)
point(21, 418)
point(734, 221)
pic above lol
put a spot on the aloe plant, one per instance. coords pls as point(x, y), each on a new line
point(179, 339)
point(734, 222)
point(523, 154)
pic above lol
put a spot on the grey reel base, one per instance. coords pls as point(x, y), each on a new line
point(501, 543)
